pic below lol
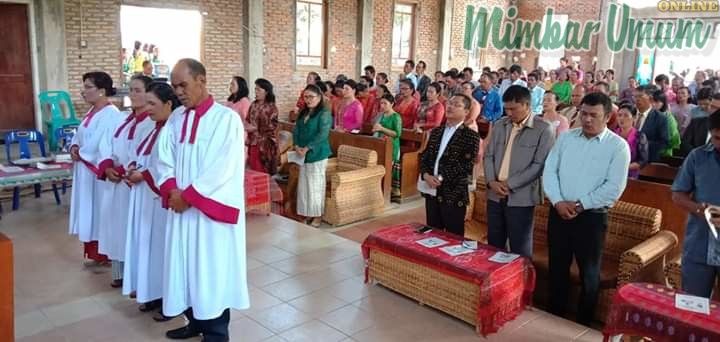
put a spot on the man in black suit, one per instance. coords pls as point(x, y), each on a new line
point(446, 166)
point(649, 121)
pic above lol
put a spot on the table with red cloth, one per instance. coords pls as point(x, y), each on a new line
point(648, 310)
point(262, 194)
point(505, 289)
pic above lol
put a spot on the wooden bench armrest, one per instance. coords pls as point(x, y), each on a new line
point(647, 258)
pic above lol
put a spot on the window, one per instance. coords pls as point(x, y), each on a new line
point(163, 45)
point(403, 34)
point(550, 59)
point(310, 33)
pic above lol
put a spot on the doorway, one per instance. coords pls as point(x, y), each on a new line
point(17, 109)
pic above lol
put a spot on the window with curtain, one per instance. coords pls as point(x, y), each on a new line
point(403, 33)
point(310, 30)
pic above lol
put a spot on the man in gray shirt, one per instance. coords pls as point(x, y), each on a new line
point(513, 163)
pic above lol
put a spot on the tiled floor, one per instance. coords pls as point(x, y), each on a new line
point(306, 285)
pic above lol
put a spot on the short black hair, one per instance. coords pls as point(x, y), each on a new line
point(467, 102)
point(659, 96)
point(360, 87)
point(424, 66)
point(714, 120)
point(436, 86)
point(515, 68)
point(554, 95)
point(382, 75)
point(370, 68)
point(452, 74)
point(503, 69)
point(351, 84)
point(146, 63)
point(517, 93)
point(411, 62)
point(648, 89)
point(142, 78)
point(472, 85)
point(594, 99)
point(101, 80)
point(534, 75)
point(369, 80)
point(705, 93)
point(603, 84)
point(610, 71)
point(629, 107)
point(662, 78)
point(468, 69)
point(388, 97)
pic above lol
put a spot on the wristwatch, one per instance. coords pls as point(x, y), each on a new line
point(579, 207)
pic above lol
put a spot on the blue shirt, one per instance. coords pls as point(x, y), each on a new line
point(697, 112)
point(592, 171)
point(492, 106)
point(700, 175)
point(536, 100)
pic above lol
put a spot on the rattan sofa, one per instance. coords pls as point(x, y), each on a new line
point(355, 186)
point(635, 247)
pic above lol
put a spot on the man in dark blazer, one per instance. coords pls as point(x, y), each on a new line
point(696, 135)
point(649, 121)
point(513, 162)
point(446, 166)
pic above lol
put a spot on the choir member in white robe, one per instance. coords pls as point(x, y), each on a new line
point(201, 168)
point(147, 216)
point(117, 157)
point(87, 188)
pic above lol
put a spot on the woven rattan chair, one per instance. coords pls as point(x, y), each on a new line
point(635, 247)
point(355, 190)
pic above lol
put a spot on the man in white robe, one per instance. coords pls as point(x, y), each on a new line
point(201, 168)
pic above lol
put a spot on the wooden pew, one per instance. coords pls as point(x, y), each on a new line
point(383, 147)
point(672, 161)
point(412, 144)
point(658, 173)
point(659, 196)
point(7, 313)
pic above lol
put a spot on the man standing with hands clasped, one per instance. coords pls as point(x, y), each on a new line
point(201, 159)
point(446, 166)
point(514, 161)
point(696, 188)
point(585, 174)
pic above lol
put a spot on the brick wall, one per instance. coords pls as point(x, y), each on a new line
point(279, 62)
point(459, 56)
point(223, 42)
point(579, 11)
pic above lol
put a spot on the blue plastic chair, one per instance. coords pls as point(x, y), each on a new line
point(64, 137)
point(23, 139)
point(57, 111)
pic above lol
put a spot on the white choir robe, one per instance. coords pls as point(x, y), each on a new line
point(145, 246)
point(115, 152)
point(205, 261)
point(87, 189)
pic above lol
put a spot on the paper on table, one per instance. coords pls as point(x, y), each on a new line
point(431, 242)
point(63, 158)
point(708, 216)
point(11, 169)
point(692, 303)
point(425, 188)
point(456, 250)
point(43, 166)
point(294, 157)
point(503, 258)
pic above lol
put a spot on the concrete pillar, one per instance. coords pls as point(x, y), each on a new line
point(366, 34)
point(446, 20)
point(604, 56)
point(254, 42)
point(50, 38)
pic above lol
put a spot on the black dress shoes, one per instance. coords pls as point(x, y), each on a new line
point(182, 333)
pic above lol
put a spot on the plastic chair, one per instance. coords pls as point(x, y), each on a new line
point(57, 111)
point(64, 137)
point(23, 138)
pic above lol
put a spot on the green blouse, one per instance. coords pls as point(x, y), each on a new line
point(392, 122)
point(674, 135)
point(563, 91)
point(314, 134)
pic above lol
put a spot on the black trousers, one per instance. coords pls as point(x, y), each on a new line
point(213, 330)
point(510, 223)
point(444, 216)
point(582, 238)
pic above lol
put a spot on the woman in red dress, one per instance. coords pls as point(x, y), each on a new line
point(432, 112)
point(262, 123)
point(407, 104)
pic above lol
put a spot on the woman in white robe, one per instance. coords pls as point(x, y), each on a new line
point(87, 189)
point(201, 170)
point(117, 157)
point(146, 220)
